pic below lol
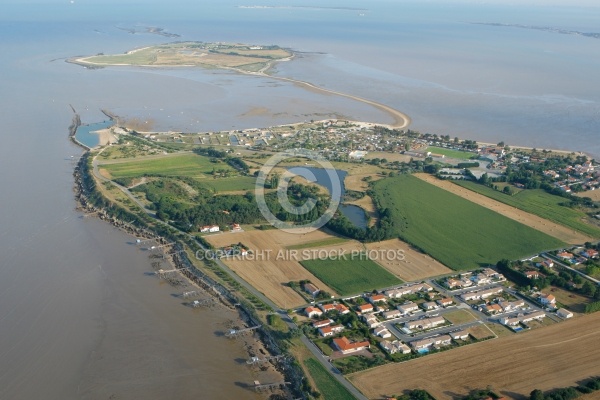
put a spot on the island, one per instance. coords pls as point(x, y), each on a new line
point(476, 250)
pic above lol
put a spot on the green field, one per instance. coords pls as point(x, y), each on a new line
point(455, 231)
point(540, 203)
point(350, 276)
point(191, 165)
point(461, 155)
point(329, 388)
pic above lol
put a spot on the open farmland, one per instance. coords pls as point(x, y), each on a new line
point(413, 265)
point(556, 356)
point(554, 229)
point(186, 164)
point(327, 385)
point(351, 276)
point(540, 203)
point(455, 231)
point(267, 273)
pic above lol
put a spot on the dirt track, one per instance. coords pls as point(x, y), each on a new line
point(556, 356)
point(560, 232)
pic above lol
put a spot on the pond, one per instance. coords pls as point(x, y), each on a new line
point(355, 214)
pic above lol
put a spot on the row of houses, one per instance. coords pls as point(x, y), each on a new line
point(483, 277)
point(318, 311)
point(503, 306)
point(425, 323)
point(481, 294)
point(405, 290)
point(523, 318)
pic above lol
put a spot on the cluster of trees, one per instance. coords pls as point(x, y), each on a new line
point(417, 394)
point(235, 162)
point(384, 229)
point(568, 393)
point(208, 209)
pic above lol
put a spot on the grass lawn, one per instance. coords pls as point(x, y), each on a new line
point(455, 231)
point(191, 165)
point(540, 203)
point(350, 276)
point(480, 332)
point(459, 317)
point(461, 155)
point(326, 384)
point(572, 301)
point(319, 243)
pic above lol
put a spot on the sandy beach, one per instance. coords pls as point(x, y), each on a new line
point(106, 136)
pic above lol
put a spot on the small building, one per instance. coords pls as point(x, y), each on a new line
point(548, 299)
point(382, 332)
point(532, 274)
point(330, 330)
point(344, 345)
point(342, 309)
point(209, 228)
point(565, 255)
point(326, 307)
point(371, 321)
point(377, 298)
point(394, 347)
point(365, 308)
point(429, 305)
point(424, 344)
point(445, 302)
point(391, 314)
point(564, 313)
point(408, 307)
point(425, 323)
point(590, 253)
point(312, 312)
point(236, 227)
point(492, 309)
point(321, 324)
point(311, 289)
point(460, 335)
point(481, 294)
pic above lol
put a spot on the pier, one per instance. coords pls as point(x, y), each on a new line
point(234, 333)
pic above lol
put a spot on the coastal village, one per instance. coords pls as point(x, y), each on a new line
point(388, 324)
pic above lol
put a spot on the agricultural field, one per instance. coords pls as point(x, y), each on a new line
point(458, 233)
point(540, 203)
point(513, 365)
point(350, 276)
point(450, 153)
point(558, 231)
point(269, 274)
point(327, 385)
point(186, 164)
point(412, 266)
point(319, 243)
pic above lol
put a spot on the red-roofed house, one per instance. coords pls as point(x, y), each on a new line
point(532, 274)
point(344, 345)
point(590, 253)
point(342, 309)
point(548, 299)
point(377, 298)
point(313, 312)
point(565, 255)
point(330, 330)
point(365, 308)
point(327, 307)
point(320, 324)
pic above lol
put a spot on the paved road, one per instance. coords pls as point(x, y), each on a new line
point(557, 261)
point(282, 313)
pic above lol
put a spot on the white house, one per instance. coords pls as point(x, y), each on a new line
point(382, 331)
point(563, 313)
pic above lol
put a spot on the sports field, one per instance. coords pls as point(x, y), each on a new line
point(538, 202)
point(455, 231)
point(350, 275)
point(461, 155)
point(559, 355)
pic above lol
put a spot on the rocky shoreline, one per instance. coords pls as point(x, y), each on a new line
point(265, 344)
